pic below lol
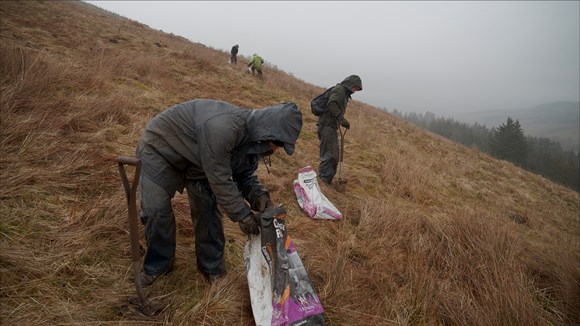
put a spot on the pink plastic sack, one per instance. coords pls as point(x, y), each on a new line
point(310, 197)
point(280, 290)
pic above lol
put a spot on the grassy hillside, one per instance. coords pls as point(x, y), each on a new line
point(429, 235)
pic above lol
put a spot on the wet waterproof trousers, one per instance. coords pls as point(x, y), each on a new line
point(329, 151)
point(260, 75)
point(160, 229)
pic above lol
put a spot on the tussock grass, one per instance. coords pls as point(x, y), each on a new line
point(428, 235)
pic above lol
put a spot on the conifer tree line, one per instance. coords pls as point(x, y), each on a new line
point(508, 142)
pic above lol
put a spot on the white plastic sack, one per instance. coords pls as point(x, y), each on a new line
point(280, 290)
point(310, 197)
point(259, 281)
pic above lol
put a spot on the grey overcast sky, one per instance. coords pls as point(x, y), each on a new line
point(414, 56)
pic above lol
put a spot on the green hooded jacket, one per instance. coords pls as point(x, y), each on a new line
point(256, 62)
point(338, 100)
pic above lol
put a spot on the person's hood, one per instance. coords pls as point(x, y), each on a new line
point(351, 81)
point(281, 123)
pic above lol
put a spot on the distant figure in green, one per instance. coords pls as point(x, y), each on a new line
point(332, 119)
point(256, 65)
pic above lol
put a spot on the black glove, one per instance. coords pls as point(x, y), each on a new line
point(345, 124)
point(263, 202)
point(249, 225)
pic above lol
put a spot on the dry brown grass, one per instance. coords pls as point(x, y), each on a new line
point(427, 239)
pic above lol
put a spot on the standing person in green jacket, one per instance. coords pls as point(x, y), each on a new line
point(332, 119)
point(256, 64)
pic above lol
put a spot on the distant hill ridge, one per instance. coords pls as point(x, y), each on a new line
point(558, 121)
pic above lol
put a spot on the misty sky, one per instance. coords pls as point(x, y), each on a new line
point(443, 57)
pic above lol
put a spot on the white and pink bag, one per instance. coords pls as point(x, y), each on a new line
point(281, 292)
point(310, 197)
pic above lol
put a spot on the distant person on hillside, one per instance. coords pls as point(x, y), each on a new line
point(328, 123)
point(234, 56)
point(256, 65)
point(212, 149)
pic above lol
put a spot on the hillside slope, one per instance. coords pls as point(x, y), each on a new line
point(429, 235)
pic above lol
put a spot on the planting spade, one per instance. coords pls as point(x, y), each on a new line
point(341, 183)
point(146, 307)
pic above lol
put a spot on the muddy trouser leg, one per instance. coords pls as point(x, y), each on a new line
point(328, 152)
point(207, 224)
point(157, 216)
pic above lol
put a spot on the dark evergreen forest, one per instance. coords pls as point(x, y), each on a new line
point(507, 142)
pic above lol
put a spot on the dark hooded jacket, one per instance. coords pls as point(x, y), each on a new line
point(337, 101)
point(217, 141)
